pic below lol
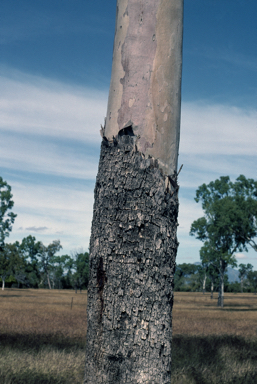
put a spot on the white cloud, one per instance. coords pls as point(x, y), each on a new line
point(240, 256)
point(42, 122)
point(52, 212)
point(42, 156)
point(217, 130)
point(37, 106)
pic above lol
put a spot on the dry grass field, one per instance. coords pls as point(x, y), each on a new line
point(42, 339)
point(213, 345)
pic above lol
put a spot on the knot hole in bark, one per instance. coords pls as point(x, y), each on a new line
point(127, 131)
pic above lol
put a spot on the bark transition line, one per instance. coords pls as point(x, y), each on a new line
point(132, 258)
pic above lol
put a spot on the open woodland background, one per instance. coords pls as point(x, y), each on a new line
point(43, 335)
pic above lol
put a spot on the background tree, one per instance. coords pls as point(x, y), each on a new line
point(6, 216)
point(46, 257)
point(244, 195)
point(213, 276)
point(81, 273)
point(219, 261)
point(133, 241)
point(59, 266)
point(202, 276)
point(19, 265)
point(8, 258)
point(229, 223)
point(183, 278)
point(252, 277)
point(243, 273)
point(29, 249)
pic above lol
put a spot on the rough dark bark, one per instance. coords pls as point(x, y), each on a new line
point(132, 257)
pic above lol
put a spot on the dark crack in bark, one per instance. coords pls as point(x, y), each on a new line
point(132, 258)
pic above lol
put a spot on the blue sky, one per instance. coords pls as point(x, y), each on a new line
point(55, 68)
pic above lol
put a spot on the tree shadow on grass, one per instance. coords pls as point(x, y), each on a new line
point(29, 377)
point(38, 346)
point(33, 342)
point(215, 359)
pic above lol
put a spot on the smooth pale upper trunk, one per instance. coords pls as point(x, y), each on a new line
point(146, 77)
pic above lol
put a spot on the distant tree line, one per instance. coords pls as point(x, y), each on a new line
point(199, 278)
point(31, 263)
point(229, 225)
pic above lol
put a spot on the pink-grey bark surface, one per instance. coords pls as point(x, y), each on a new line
point(146, 77)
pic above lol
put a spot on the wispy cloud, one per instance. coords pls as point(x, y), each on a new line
point(240, 256)
point(48, 156)
point(34, 105)
point(53, 212)
point(36, 229)
point(48, 127)
point(217, 130)
point(233, 57)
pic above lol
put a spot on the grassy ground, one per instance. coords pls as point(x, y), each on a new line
point(212, 345)
point(42, 339)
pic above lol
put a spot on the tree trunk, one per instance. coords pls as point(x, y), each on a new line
point(212, 289)
point(48, 280)
point(133, 241)
point(221, 287)
point(242, 283)
point(3, 283)
point(132, 257)
point(204, 283)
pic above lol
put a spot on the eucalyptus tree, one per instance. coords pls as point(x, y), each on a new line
point(29, 249)
point(202, 276)
point(7, 217)
point(252, 277)
point(229, 223)
point(133, 240)
point(217, 261)
point(185, 276)
point(213, 275)
point(81, 270)
point(59, 266)
point(244, 270)
point(46, 256)
point(8, 256)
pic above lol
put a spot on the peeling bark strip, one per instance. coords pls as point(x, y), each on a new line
point(132, 257)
